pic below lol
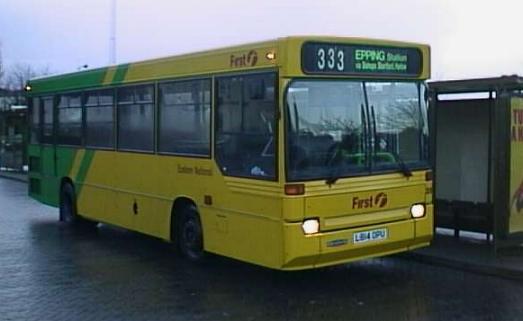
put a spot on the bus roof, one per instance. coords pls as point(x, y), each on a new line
point(228, 59)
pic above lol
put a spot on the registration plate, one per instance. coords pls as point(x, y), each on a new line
point(370, 236)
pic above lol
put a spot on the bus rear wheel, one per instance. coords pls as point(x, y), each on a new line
point(68, 209)
point(190, 234)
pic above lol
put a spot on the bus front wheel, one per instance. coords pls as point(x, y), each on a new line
point(190, 234)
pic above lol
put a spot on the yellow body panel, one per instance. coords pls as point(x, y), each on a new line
point(249, 220)
point(313, 251)
point(218, 61)
point(109, 76)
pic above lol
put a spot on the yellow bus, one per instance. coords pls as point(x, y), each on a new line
point(295, 153)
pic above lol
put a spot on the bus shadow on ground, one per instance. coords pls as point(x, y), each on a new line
point(128, 246)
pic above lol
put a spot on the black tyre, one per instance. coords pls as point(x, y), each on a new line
point(519, 202)
point(68, 209)
point(190, 234)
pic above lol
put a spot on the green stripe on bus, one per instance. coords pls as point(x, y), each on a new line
point(84, 168)
point(120, 73)
point(70, 163)
point(85, 79)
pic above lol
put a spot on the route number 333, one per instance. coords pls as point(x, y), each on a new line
point(330, 59)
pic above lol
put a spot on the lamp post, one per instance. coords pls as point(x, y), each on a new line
point(112, 36)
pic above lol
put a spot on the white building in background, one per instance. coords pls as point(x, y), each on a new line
point(13, 130)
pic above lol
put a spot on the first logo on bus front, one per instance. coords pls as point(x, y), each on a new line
point(379, 200)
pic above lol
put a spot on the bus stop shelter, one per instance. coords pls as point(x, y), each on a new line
point(477, 155)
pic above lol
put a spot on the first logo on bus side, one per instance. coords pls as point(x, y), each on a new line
point(379, 200)
point(244, 60)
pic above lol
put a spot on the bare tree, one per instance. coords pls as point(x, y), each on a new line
point(17, 76)
point(403, 115)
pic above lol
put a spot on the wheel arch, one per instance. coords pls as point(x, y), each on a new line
point(65, 180)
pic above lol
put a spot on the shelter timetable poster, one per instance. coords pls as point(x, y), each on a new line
point(516, 166)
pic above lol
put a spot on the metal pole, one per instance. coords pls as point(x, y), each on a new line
point(112, 39)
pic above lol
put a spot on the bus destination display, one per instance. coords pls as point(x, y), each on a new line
point(326, 58)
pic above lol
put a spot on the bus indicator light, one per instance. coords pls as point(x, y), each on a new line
point(294, 189)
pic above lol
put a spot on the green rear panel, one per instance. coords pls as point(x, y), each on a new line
point(47, 164)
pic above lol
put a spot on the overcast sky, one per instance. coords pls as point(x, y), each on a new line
point(468, 38)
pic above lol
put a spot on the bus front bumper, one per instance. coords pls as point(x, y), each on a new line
point(337, 247)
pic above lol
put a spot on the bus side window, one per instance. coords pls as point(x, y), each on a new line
point(35, 121)
point(46, 120)
point(69, 131)
point(136, 118)
point(245, 141)
point(185, 117)
point(99, 118)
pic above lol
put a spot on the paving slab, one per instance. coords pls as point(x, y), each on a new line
point(472, 255)
point(17, 176)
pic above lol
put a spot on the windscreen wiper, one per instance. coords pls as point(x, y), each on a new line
point(401, 165)
point(332, 180)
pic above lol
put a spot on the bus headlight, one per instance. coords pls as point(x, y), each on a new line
point(417, 210)
point(311, 226)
